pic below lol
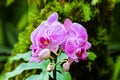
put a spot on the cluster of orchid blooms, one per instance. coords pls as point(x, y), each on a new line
point(51, 34)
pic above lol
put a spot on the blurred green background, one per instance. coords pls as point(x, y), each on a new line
point(14, 16)
point(13, 19)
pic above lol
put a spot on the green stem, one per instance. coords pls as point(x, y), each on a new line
point(55, 61)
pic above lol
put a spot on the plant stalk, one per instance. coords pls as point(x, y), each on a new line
point(54, 71)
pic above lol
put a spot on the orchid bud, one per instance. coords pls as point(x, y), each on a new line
point(66, 66)
point(50, 67)
point(44, 54)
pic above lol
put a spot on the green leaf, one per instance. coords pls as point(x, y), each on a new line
point(44, 64)
point(64, 76)
point(27, 66)
point(21, 68)
point(91, 56)
point(26, 57)
point(60, 68)
point(34, 77)
point(44, 75)
point(62, 57)
point(59, 76)
point(9, 2)
point(51, 74)
point(67, 76)
point(116, 73)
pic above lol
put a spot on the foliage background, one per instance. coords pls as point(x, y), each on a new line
point(100, 17)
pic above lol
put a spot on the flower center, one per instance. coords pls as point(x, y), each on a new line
point(34, 50)
point(44, 41)
point(80, 52)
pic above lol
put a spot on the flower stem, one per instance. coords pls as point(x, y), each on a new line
point(54, 71)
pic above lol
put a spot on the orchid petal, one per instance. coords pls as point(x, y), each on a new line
point(63, 45)
point(43, 32)
point(88, 45)
point(80, 31)
point(70, 60)
point(57, 33)
point(35, 32)
point(84, 56)
point(53, 47)
point(67, 23)
point(52, 18)
point(70, 48)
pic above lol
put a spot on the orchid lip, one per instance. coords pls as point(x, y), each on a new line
point(80, 52)
point(44, 40)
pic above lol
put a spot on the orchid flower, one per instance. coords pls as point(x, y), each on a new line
point(76, 42)
point(48, 35)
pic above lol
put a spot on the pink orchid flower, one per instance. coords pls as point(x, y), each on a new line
point(75, 44)
point(49, 34)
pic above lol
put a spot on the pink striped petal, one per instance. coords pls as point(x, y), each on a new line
point(52, 18)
